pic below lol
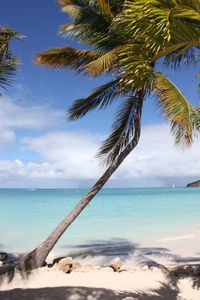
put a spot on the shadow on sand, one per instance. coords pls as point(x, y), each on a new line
point(79, 293)
point(126, 250)
point(107, 250)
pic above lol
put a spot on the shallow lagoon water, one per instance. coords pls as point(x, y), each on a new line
point(139, 216)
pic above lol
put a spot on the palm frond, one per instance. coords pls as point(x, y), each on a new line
point(198, 117)
point(190, 3)
point(87, 34)
point(66, 57)
point(105, 63)
point(183, 58)
point(177, 109)
point(105, 9)
point(136, 67)
point(8, 63)
point(178, 55)
point(122, 130)
point(102, 97)
point(159, 22)
point(91, 23)
point(83, 13)
point(7, 71)
point(6, 33)
point(175, 48)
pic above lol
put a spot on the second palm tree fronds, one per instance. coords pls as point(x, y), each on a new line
point(8, 63)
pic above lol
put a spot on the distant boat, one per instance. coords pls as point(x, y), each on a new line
point(173, 186)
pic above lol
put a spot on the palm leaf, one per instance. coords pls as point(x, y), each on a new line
point(105, 9)
point(66, 57)
point(105, 63)
point(89, 35)
point(136, 67)
point(90, 24)
point(83, 13)
point(7, 71)
point(176, 48)
point(178, 55)
point(183, 58)
point(8, 63)
point(102, 97)
point(159, 22)
point(122, 130)
point(177, 109)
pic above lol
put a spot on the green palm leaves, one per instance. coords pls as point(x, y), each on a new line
point(128, 38)
point(100, 97)
point(164, 27)
point(8, 63)
point(122, 132)
point(177, 109)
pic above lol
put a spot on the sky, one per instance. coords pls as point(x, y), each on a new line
point(39, 148)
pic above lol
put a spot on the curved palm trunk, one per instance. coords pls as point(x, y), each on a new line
point(36, 258)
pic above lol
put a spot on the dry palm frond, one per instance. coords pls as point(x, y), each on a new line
point(66, 57)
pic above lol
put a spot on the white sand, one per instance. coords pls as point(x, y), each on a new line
point(148, 281)
point(139, 280)
point(187, 291)
point(186, 245)
point(183, 247)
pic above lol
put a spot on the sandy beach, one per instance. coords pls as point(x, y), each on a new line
point(146, 270)
point(140, 277)
point(99, 284)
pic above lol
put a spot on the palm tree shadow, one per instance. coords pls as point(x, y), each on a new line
point(166, 292)
point(108, 249)
point(112, 248)
point(8, 268)
point(105, 251)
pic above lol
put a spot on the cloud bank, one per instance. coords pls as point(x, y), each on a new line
point(14, 117)
point(71, 156)
point(67, 158)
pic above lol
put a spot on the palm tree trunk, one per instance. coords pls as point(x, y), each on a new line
point(36, 258)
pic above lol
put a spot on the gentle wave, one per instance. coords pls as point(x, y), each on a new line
point(177, 238)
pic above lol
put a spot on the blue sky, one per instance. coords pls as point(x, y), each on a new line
point(40, 149)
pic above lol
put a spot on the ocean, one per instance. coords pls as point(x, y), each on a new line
point(129, 216)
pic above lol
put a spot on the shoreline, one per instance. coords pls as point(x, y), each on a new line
point(180, 247)
point(143, 273)
point(142, 278)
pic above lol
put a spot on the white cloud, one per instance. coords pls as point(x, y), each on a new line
point(71, 156)
point(67, 155)
point(7, 136)
point(15, 116)
point(70, 146)
point(156, 156)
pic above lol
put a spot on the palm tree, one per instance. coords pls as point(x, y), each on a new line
point(130, 58)
point(8, 63)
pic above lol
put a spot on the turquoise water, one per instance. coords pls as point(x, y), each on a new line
point(136, 215)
